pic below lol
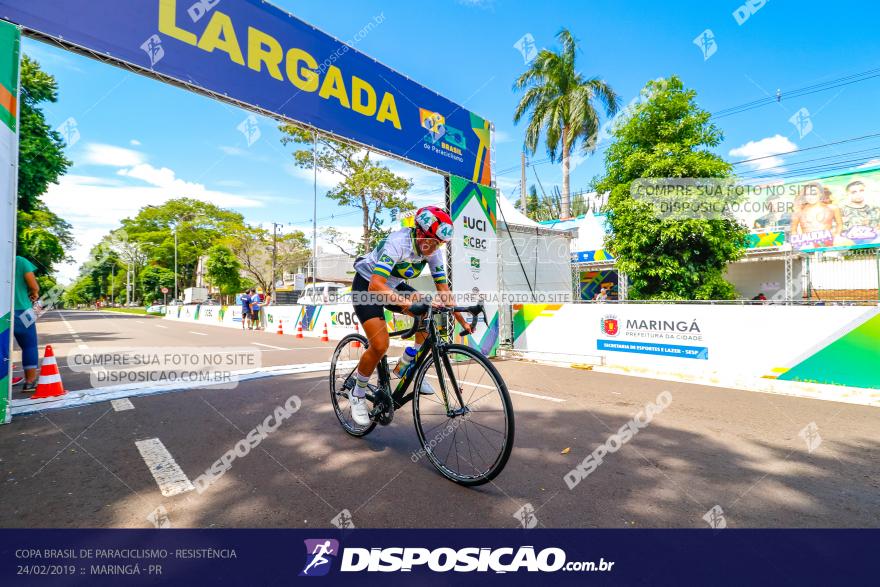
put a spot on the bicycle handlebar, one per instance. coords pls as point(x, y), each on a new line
point(421, 309)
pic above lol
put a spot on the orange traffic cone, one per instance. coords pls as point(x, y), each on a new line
point(299, 329)
point(49, 384)
point(357, 343)
point(280, 327)
point(324, 336)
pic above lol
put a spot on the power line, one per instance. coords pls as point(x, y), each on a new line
point(840, 142)
point(874, 152)
point(799, 92)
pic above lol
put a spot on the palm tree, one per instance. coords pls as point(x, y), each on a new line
point(561, 102)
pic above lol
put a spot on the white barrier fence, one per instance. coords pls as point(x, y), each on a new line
point(339, 319)
point(825, 344)
point(837, 345)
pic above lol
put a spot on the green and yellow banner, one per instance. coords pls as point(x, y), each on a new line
point(10, 43)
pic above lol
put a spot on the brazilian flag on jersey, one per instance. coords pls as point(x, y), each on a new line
point(10, 43)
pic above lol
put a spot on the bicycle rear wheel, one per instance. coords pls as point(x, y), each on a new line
point(467, 435)
point(342, 371)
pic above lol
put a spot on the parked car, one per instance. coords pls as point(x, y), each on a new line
point(321, 293)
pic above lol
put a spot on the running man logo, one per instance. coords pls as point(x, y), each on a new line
point(319, 556)
point(610, 326)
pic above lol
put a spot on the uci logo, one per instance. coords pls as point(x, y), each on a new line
point(475, 223)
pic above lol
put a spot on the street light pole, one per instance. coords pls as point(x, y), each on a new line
point(175, 261)
point(315, 211)
point(275, 226)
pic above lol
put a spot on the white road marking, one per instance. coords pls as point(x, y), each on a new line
point(525, 393)
point(170, 477)
point(103, 394)
point(120, 405)
point(199, 333)
point(160, 326)
point(269, 346)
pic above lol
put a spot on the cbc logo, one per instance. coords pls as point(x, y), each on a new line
point(343, 318)
point(474, 242)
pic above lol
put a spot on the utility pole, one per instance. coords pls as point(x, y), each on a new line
point(522, 181)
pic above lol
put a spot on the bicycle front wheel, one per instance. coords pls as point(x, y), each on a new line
point(466, 426)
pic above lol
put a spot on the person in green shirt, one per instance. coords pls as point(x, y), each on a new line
point(24, 327)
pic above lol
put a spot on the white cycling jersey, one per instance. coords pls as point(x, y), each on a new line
point(397, 258)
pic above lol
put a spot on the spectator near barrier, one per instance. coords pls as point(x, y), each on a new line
point(24, 326)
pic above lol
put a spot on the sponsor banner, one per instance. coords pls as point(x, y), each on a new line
point(9, 63)
point(251, 52)
point(473, 557)
point(830, 344)
point(474, 254)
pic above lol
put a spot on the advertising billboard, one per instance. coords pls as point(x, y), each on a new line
point(252, 53)
point(837, 212)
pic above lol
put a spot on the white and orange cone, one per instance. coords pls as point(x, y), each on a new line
point(299, 330)
point(49, 384)
point(357, 343)
point(280, 327)
point(324, 335)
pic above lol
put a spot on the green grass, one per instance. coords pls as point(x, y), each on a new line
point(141, 311)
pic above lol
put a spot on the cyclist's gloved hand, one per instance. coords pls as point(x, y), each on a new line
point(419, 308)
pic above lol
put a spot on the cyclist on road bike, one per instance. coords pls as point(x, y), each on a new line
point(380, 282)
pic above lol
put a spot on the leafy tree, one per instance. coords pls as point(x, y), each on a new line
point(224, 270)
point(366, 185)
point(42, 236)
point(153, 279)
point(560, 102)
point(199, 226)
point(668, 136)
point(252, 246)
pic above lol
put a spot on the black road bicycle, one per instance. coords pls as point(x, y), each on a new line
point(465, 427)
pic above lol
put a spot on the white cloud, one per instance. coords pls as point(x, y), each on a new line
point(135, 143)
point(95, 205)
point(502, 137)
point(111, 156)
point(869, 163)
point(766, 149)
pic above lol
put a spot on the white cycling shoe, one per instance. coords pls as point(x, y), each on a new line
point(360, 413)
point(426, 388)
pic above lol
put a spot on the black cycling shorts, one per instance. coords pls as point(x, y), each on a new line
point(367, 305)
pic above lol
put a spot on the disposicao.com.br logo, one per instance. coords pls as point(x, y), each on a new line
point(442, 560)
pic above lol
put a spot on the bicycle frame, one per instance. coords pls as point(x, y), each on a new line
point(436, 346)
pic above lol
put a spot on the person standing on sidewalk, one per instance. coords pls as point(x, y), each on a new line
point(245, 301)
point(24, 325)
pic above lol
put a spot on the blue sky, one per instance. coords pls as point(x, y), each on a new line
point(142, 142)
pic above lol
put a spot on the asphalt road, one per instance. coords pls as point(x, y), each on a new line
point(742, 452)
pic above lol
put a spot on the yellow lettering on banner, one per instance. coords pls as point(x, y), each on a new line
point(263, 48)
point(360, 87)
point(334, 86)
point(388, 111)
point(305, 78)
point(220, 34)
point(168, 23)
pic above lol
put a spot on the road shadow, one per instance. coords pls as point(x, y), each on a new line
point(308, 471)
